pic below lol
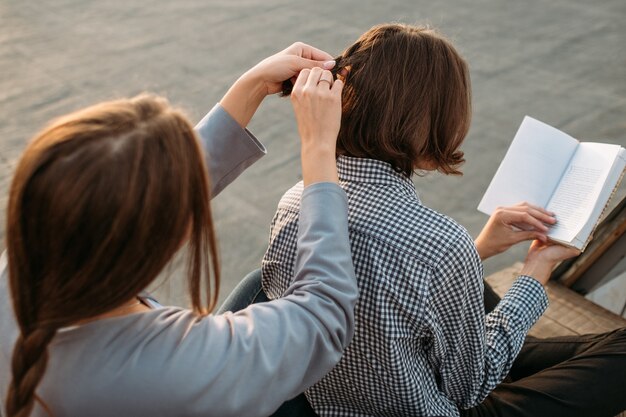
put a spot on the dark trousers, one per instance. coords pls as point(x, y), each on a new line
point(561, 376)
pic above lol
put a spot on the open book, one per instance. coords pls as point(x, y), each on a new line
point(549, 168)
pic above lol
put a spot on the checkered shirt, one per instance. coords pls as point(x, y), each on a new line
point(423, 345)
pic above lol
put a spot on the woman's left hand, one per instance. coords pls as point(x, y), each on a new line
point(543, 257)
point(265, 78)
point(508, 226)
point(287, 64)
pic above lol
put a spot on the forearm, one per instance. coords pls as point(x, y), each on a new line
point(485, 251)
point(539, 271)
point(244, 98)
point(319, 165)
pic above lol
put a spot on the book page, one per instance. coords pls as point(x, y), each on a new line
point(577, 195)
point(614, 177)
point(531, 168)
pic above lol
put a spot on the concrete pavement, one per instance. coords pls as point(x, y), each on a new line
point(561, 61)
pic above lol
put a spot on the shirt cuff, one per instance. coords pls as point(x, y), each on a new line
point(524, 302)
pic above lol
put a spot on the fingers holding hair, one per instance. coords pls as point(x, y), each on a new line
point(307, 51)
point(317, 106)
point(319, 78)
point(314, 77)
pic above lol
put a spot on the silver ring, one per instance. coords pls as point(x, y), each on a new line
point(330, 83)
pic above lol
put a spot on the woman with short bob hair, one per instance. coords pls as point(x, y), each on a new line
point(407, 100)
point(100, 202)
point(423, 345)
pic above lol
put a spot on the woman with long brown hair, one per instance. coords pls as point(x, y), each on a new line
point(100, 202)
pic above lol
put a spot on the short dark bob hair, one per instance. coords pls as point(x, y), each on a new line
point(406, 100)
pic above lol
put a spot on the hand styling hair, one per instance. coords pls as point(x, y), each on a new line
point(100, 202)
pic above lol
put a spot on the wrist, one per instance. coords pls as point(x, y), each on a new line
point(538, 269)
point(318, 147)
point(483, 249)
point(318, 165)
point(254, 84)
point(244, 97)
point(488, 246)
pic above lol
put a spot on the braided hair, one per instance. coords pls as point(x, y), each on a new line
point(100, 201)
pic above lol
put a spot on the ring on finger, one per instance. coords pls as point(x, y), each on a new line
point(325, 80)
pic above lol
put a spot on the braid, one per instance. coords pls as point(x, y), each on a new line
point(74, 250)
point(30, 358)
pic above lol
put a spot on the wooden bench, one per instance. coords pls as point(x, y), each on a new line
point(569, 313)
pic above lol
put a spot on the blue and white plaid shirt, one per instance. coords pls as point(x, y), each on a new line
point(423, 345)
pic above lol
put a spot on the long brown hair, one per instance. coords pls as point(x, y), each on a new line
point(101, 200)
point(406, 100)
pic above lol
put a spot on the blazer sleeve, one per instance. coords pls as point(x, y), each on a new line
point(248, 363)
point(229, 149)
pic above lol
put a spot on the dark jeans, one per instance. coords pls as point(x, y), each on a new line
point(248, 291)
point(559, 376)
point(563, 376)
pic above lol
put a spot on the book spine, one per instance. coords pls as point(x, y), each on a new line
point(606, 205)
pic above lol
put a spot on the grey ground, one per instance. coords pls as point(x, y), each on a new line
point(561, 61)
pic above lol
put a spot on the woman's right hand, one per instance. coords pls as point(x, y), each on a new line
point(511, 225)
point(316, 100)
point(246, 94)
point(287, 64)
point(543, 257)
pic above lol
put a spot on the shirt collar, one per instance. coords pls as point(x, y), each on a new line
point(372, 171)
